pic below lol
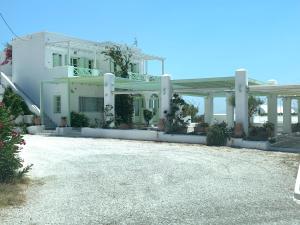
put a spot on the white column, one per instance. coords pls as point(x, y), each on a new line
point(287, 117)
point(109, 87)
point(298, 101)
point(208, 109)
point(241, 98)
point(162, 66)
point(95, 60)
point(146, 67)
point(272, 111)
point(69, 54)
point(165, 95)
point(229, 110)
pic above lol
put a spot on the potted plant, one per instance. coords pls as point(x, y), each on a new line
point(37, 120)
point(148, 115)
point(63, 121)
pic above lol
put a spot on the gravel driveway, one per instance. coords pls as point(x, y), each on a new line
point(105, 181)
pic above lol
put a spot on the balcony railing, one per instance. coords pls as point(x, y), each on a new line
point(143, 77)
point(85, 72)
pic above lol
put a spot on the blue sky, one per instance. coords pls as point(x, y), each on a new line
point(198, 38)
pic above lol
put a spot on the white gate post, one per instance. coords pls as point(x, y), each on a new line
point(109, 88)
point(287, 117)
point(241, 98)
point(165, 95)
point(272, 111)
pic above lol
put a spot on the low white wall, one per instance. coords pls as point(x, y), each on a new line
point(35, 129)
point(144, 135)
point(238, 142)
point(297, 188)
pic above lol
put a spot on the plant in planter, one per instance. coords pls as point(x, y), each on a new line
point(148, 115)
point(175, 122)
point(36, 120)
point(79, 120)
point(201, 128)
point(218, 134)
point(63, 122)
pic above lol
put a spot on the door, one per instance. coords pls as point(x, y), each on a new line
point(74, 63)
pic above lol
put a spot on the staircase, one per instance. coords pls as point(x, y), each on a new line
point(49, 124)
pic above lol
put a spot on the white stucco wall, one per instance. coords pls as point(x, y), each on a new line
point(28, 65)
point(85, 90)
point(50, 90)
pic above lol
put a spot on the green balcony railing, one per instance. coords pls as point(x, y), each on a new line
point(143, 77)
point(82, 72)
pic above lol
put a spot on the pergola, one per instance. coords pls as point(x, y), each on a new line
point(96, 48)
point(239, 86)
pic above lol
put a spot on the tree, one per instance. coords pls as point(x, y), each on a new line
point(121, 57)
point(190, 110)
point(11, 165)
point(8, 54)
point(253, 104)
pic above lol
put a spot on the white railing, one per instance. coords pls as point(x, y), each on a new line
point(83, 72)
point(143, 77)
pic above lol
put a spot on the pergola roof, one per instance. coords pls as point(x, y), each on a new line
point(280, 90)
point(198, 87)
point(98, 47)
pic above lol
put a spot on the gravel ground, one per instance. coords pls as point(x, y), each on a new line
point(104, 181)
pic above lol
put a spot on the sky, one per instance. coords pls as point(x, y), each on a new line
point(198, 38)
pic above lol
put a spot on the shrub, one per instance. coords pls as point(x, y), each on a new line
point(79, 120)
point(263, 133)
point(218, 134)
point(175, 122)
point(148, 115)
point(11, 165)
point(15, 103)
point(296, 127)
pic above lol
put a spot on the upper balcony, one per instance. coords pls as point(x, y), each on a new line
point(71, 71)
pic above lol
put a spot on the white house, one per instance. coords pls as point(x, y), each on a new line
point(61, 74)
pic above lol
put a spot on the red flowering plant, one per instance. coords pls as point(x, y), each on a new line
point(8, 54)
point(11, 142)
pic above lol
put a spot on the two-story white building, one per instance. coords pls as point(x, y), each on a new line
point(61, 74)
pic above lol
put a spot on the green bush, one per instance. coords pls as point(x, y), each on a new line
point(15, 104)
point(11, 165)
point(148, 115)
point(79, 120)
point(218, 134)
point(175, 118)
point(296, 127)
point(263, 133)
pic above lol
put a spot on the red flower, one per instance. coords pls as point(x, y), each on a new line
point(23, 142)
point(15, 134)
point(1, 144)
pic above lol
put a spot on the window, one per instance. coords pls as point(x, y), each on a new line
point(136, 107)
point(90, 64)
point(57, 104)
point(90, 104)
point(57, 59)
